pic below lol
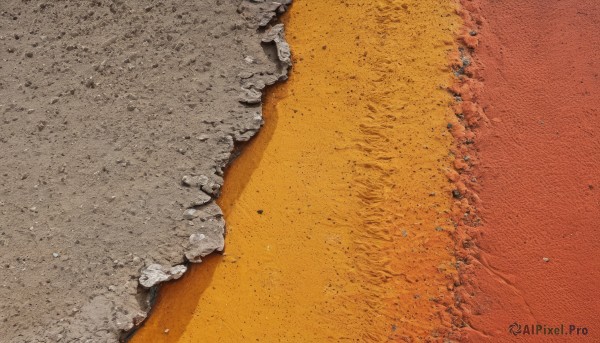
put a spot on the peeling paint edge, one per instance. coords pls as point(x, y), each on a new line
point(147, 295)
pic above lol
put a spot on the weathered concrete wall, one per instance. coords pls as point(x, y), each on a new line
point(117, 120)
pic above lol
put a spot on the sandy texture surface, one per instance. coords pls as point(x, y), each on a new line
point(117, 119)
point(537, 260)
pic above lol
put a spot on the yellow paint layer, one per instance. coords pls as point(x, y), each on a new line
point(335, 211)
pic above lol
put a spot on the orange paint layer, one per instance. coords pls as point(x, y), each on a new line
point(338, 213)
point(538, 177)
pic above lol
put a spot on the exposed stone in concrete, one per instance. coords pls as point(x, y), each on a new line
point(276, 35)
point(155, 274)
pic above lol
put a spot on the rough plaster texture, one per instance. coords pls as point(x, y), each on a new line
point(117, 119)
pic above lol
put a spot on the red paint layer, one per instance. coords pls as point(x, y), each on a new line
point(539, 170)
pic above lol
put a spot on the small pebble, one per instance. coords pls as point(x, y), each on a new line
point(546, 259)
point(190, 214)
